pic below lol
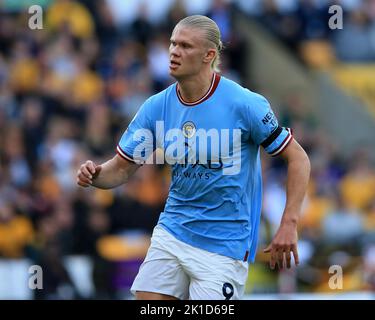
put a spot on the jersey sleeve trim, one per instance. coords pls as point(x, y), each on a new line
point(283, 145)
point(123, 155)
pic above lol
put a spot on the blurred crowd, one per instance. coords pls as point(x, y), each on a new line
point(337, 224)
point(303, 26)
point(67, 93)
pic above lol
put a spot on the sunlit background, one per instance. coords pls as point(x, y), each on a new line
point(68, 91)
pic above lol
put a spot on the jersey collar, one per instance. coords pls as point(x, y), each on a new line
point(214, 83)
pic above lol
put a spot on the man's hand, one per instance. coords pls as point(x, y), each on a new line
point(87, 173)
point(284, 242)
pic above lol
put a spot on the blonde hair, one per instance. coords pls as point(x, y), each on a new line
point(211, 31)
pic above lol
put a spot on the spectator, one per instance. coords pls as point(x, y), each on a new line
point(350, 225)
point(359, 33)
point(16, 232)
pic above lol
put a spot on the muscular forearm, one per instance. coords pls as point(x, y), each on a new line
point(113, 174)
point(297, 180)
point(285, 240)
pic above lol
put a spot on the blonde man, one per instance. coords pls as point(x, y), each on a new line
point(210, 130)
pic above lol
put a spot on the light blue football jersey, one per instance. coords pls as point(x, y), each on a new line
point(215, 196)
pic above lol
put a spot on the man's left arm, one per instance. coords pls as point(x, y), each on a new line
point(285, 240)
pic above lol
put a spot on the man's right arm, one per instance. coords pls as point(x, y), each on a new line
point(110, 174)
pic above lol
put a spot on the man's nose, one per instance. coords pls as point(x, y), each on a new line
point(175, 51)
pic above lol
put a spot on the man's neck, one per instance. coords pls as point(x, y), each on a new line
point(194, 88)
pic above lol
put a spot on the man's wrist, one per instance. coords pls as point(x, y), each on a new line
point(292, 221)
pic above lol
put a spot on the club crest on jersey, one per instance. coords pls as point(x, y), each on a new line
point(188, 129)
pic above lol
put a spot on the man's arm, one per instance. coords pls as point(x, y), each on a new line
point(285, 240)
point(110, 174)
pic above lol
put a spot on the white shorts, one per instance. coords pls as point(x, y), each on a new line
point(175, 268)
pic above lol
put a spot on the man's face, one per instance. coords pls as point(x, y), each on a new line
point(187, 52)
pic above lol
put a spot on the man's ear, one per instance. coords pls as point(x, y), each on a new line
point(210, 55)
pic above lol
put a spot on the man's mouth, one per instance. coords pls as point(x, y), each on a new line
point(173, 64)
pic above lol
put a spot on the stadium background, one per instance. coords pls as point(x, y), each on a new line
point(68, 91)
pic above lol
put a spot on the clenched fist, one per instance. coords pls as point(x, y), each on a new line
point(87, 173)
